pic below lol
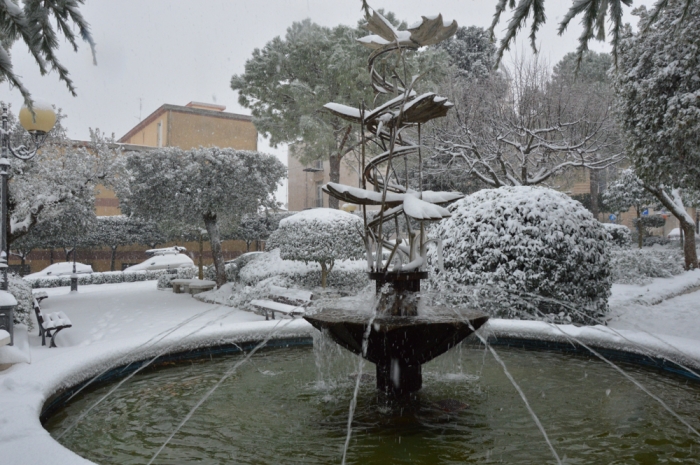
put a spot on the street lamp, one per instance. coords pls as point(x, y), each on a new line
point(38, 123)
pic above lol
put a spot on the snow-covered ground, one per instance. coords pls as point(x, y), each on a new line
point(117, 323)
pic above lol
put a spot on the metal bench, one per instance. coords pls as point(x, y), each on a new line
point(290, 302)
point(50, 323)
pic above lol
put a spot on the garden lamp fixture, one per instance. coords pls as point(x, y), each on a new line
point(37, 122)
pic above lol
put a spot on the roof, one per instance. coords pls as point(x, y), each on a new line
point(180, 109)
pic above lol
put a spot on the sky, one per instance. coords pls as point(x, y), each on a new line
point(175, 51)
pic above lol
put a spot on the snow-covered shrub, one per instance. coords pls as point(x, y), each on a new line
point(112, 277)
point(84, 279)
point(639, 266)
point(230, 269)
point(321, 235)
point(348, 275)
point(526, 241)
point(618, 234)
point(22, 291)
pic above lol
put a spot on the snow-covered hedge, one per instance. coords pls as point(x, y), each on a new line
point(639, 266)
point(108, 277)
point(22, 291)
point(529, 242)
point(321, 235)
point(350, 275)
point(618, 234)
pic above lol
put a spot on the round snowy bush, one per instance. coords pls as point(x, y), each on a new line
point(22, 291)
point(321, 235)
point(539, 246)
point(618, 234)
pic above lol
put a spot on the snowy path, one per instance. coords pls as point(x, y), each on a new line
point(116, 323)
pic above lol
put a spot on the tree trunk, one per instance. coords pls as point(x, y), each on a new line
point(215, 242)
point(334, 177)
point(51, 256)
point(673, 203)
point(324, 274)
point(594, 193)
point(113, 258)
point(201, 256)
point(640, 230)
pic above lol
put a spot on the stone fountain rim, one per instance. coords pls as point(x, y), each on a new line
point(501, 330)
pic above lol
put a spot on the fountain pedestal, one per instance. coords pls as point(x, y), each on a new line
point(400, 339)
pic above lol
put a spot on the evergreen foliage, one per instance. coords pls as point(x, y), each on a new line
point(201, 187)
point(320, 235)
point(33, 24)
point(657, 86)
point(471, 51)
point(526, 241)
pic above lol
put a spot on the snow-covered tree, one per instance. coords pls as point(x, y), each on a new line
point(62, 175)
point(121, 230)
point(626, 192)
point(321, 235)
point(258, 227)
point(525, 129)
point(657, 85)
point(471, 51)
point(526, 241)
point(33, 24)
point(203, 186)
point(287, 83)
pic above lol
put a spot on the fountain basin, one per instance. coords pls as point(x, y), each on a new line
point(398, 345)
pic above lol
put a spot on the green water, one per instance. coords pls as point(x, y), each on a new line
point(276, 411)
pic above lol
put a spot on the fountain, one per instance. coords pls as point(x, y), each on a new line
point(401, 335)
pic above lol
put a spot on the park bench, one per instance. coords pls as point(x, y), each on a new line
point(196, 286)
point(181, 286)
point(290, 302)
point(50, 323)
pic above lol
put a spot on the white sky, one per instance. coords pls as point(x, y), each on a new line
point(176, 51)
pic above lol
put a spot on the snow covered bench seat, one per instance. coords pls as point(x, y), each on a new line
point(269, 307)
point(181, 286)
point(289, 302)
point(50, 323)
point(196, 286)
point(40, 295)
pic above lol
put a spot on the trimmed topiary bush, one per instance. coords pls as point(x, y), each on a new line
point(348, 275)
point(321, 235)
point(531, 243)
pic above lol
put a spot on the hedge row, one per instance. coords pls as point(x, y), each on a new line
point(108, 277)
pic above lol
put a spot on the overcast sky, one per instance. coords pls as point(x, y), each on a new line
point(176, 51)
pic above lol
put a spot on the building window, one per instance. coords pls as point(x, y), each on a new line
point(319, 195)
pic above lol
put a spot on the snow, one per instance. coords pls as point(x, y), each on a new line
point(4, 337)
point(61, 269)
point(7, 299)
point(134, 319)
point(163, 262)
point(422, 210)
point(323, 215)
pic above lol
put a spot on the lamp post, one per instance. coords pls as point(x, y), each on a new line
point(38, 124)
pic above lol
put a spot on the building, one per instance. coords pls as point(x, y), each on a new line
point(305, 182)
point(193, 125)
